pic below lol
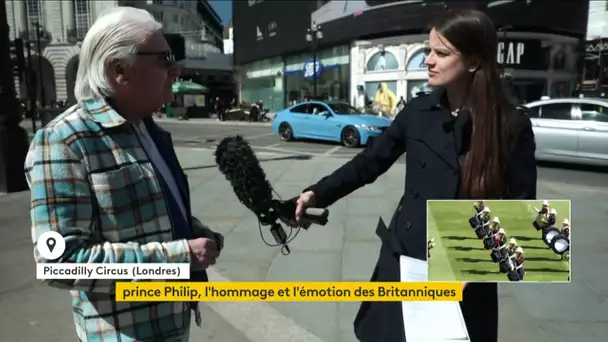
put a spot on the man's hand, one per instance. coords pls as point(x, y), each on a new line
point(204, 253)
point(203, 231)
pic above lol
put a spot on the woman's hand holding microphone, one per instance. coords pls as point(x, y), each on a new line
point(306, 200)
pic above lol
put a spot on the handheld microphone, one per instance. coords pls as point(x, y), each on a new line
point(238, 163)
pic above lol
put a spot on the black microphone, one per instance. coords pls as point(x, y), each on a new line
point(238, 163)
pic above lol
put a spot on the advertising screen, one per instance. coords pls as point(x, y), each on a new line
point(265, 28)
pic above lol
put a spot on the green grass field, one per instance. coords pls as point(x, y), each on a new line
point(458, 254)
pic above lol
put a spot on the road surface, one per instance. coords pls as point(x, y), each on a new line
point(345, 249)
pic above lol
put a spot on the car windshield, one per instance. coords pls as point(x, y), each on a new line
point(343, 108)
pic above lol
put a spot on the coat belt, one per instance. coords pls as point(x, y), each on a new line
point(389, 238)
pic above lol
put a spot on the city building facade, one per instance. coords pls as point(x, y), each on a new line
point(364, 44)
point(62, 25)
point(229, 38)
point(595, 68)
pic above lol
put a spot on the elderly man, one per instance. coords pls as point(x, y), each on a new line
point(107, 179)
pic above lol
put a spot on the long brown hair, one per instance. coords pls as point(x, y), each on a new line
point(473, 33)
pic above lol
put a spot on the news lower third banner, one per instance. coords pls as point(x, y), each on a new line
point(288, 291)
point(148, 282)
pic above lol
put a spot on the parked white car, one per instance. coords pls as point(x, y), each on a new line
point(571, 130)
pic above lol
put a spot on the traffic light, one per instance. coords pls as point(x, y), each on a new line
point(17, 57)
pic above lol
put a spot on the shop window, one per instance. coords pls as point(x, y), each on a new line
point(416, 87)
point(528, 90)
point(417, 61)
point(332, 83)
point(604, 72)
point(371, 88)
point(591, 67)
point(561, 89)
point(383, 60)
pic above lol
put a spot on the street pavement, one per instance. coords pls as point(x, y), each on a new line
point(345, 249)
point(207, 133)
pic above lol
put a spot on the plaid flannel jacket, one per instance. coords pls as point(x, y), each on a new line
point(92, 182)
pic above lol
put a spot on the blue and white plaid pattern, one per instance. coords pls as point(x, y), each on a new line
point(92, 182)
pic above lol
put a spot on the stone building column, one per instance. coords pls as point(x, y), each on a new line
point(69, 13)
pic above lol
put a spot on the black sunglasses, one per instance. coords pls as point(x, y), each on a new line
point(167, 56)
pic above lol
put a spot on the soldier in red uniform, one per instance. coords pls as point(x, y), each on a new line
point(495, 225)
point(552, 218)
point(545, 208)
point(566, 232)
point(479, 205)
point(566, 228)
point(518, 260)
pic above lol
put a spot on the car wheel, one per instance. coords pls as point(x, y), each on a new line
point(285, 132)
point(350, 137)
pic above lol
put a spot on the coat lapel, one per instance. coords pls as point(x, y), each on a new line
point(436, 128)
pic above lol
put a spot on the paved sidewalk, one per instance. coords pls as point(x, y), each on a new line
point(345, 249)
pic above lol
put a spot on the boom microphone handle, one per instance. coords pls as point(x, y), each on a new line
point(316, 215)
point(287, 210)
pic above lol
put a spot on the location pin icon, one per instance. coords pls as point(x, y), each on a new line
point(50, 243)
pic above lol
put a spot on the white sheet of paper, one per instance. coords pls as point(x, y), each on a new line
point(429, 321)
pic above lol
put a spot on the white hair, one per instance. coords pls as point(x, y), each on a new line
point(115, 35)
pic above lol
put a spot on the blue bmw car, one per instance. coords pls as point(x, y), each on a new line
point(329, 121)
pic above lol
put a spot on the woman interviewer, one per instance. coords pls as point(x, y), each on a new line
point(465, 140)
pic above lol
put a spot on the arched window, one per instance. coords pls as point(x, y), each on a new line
point(382, 60)
point(417, 61)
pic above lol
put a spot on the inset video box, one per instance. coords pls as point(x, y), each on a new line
point(499, 240)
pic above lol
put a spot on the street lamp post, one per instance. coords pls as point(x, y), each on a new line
point(40, 73)
point(30, 84)
point(313, 36)
point(13, 138)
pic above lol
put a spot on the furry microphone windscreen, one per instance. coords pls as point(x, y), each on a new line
point(238, 163)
